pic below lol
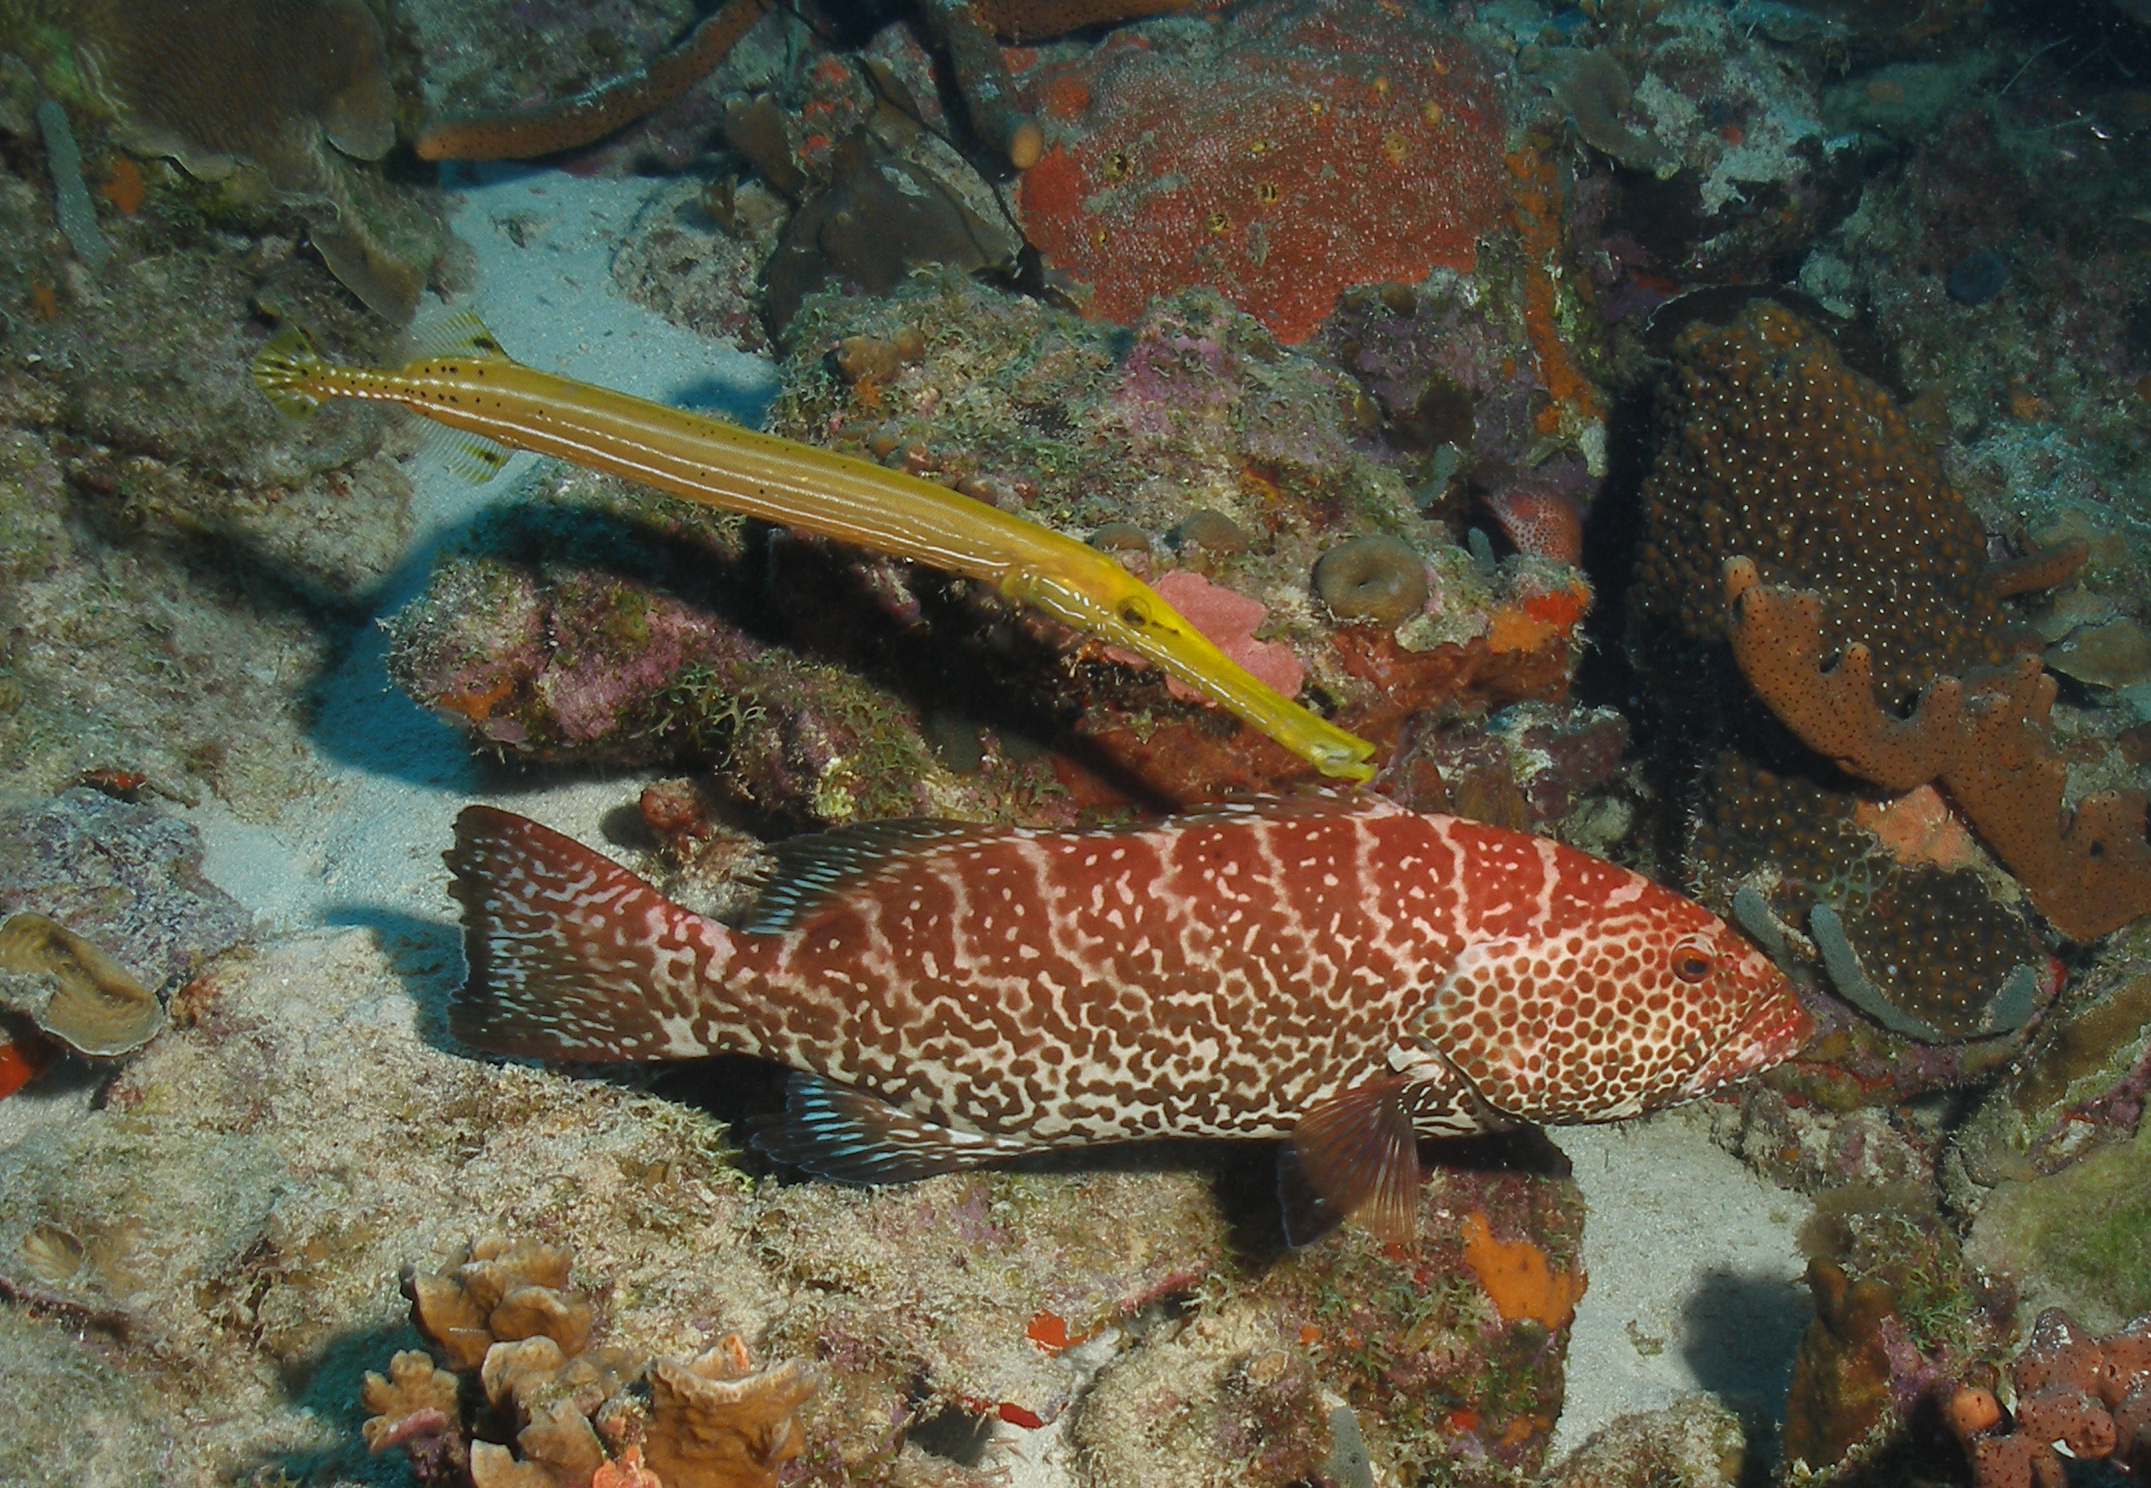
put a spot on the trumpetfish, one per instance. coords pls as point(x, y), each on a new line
point(476, 387)
point(1345, 975)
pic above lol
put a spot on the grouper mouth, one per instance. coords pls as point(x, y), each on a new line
point(1773, 1033)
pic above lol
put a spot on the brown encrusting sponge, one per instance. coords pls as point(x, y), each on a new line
point(2088, 870)
point(2076, 1396)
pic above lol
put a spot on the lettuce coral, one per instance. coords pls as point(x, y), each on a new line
point(586, 1412)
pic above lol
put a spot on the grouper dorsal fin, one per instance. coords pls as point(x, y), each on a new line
point(849, 1136)
point(811, 868)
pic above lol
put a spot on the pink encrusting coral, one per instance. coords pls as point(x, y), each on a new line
point(1319, 146)
point(1229, 618)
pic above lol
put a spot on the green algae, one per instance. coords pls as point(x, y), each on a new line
point(2076, 1239)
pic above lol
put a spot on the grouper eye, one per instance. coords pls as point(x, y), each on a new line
point(1691, 961)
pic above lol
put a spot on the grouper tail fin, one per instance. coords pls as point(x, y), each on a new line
point(568, 955)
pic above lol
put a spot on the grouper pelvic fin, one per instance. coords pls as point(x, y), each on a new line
point(1354, 1156)
point(849, 1136)
point(556, 964)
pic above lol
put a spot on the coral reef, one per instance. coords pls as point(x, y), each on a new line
point(878, 218)
point(522, 134)
point(2072, 1238)
point(1541, 767)
point(2089, 871)
point(2077, 1396)
point(1778, 452)
point(1466, 405)
point(2078, 1087)
point(1308, 146)
point(680, 668)
point(1964, 959)
point(1900, 1320)
point(236, 1208)
point(585, 634)
point(1840, 1387)
point(267, 86)
point(1779, 460)
point(1426, 1363)
point(1695, 1444)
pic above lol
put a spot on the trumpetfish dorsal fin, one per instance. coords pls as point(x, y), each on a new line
point(458, 337)
point(459, 333)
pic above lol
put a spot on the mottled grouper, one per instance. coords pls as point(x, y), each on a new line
point(1348, 975)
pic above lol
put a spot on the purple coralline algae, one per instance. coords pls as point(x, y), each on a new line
point(127, 877)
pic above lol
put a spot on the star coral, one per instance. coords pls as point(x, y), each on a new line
point(1317, 144)
point(1777, 451)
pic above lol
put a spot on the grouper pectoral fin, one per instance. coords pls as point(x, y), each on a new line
point(1354, 1156)
point(849, 1136)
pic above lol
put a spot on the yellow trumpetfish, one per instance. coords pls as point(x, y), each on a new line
point(478, 388)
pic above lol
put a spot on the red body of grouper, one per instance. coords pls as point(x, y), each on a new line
point(1347, 975)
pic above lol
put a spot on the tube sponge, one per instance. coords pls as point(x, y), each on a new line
point(78, 216)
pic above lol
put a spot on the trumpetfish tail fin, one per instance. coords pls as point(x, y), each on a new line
point(285, 369)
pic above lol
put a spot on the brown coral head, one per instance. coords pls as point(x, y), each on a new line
point(213, 82)
point(714, 1426)
point(511, 1370)
point(529, 1311)
point(414, 1405)
point(72, 990)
